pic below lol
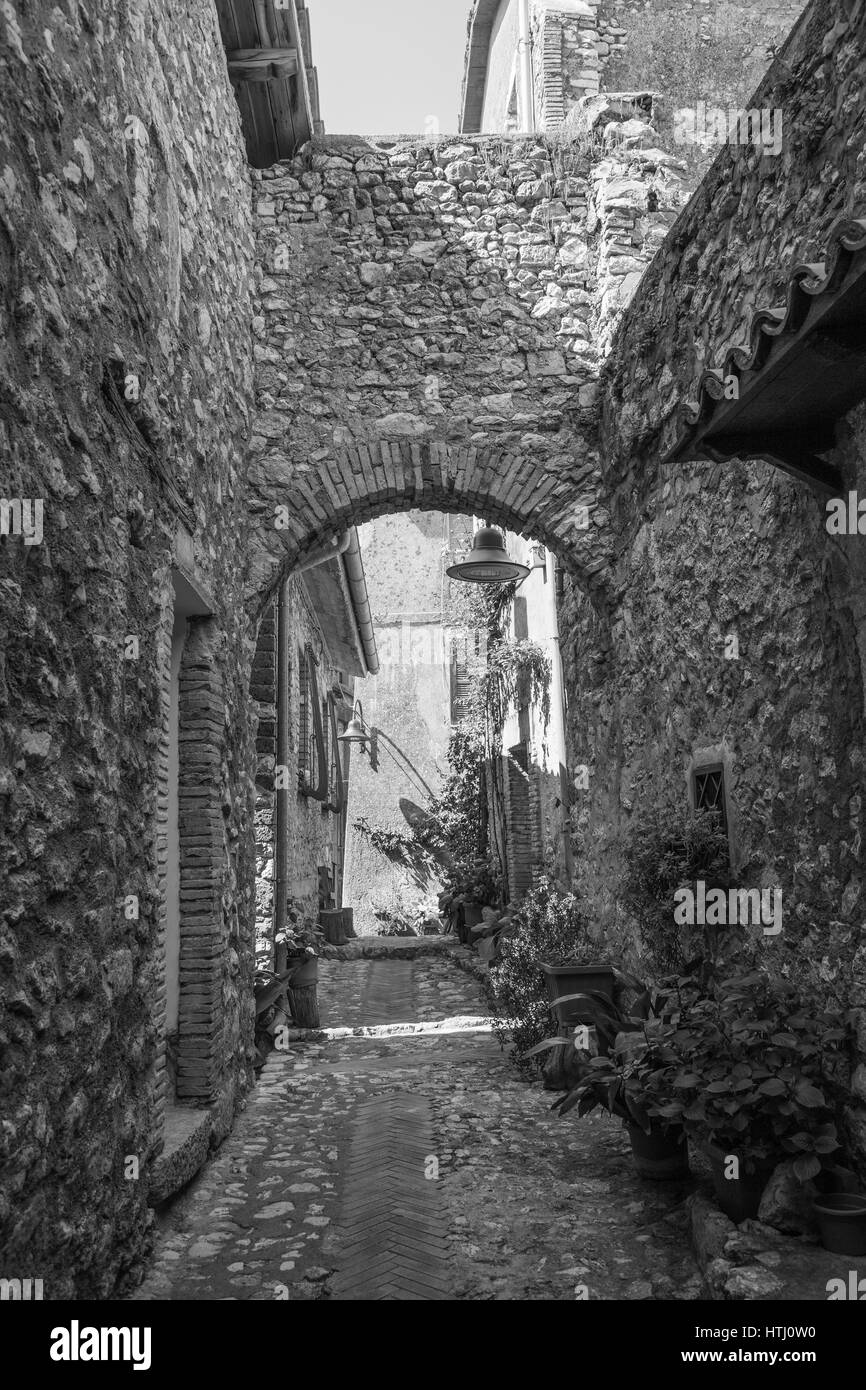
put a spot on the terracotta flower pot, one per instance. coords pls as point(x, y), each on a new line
point(842, 1222)
point(471, 914)
point(660, 1155)
point(739, 1198)
point(331, 922)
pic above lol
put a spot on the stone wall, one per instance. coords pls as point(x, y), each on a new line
point(428, 326)
point(732, 249)
point(706, 552)
point(125, 385)
point(745, 30)
point(686, 52)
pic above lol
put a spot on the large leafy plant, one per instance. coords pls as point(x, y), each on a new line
point(550, 925)
point(459, 812)
point(667, 847)
point(624, 1082)
point(746, 1070)
point(471, 883)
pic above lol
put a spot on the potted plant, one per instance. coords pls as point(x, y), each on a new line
point(743, 1071)
point(576, 987)
point(546, 929)
point(471, 885)
point(625, 1079)
point(611, 1083)
point(841, 1220)
point(573, 974)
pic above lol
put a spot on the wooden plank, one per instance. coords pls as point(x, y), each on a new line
point(262, 64)
point(262, 147)
point(283, 117)
point(282, 93)
point(282, 28)
point(303, 120)
point(273, 97)
point(796, 454)
point(228, 24)
point(247, 24)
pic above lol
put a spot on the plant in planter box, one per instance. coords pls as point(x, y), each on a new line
point(745, 1074)
point(549, 926)
point(669, 847)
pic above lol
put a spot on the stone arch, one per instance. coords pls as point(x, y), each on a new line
point(298, 516)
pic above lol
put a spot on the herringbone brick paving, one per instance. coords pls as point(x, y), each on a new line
point(392, 1229)
point(389, 994)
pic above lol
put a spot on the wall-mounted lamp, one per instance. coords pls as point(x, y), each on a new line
point(355, 731)
point(359, 731)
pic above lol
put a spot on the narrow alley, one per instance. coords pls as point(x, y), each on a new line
point(433, 668)
point(327, 1188)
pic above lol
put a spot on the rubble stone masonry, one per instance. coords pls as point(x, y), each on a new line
point(707, 550)
point(125, 390)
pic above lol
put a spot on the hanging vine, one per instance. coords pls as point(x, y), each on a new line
point(517, 672)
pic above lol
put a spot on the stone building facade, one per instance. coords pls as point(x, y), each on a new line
point(580, 48)
point(314, 643)
point(536, 779)
point(411, 698)
point(126, 254)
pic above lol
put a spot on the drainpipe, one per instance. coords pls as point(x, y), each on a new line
point(354, 567)
point(524, 48)
point(281, 825)
point(557, 719)
point(339, 545)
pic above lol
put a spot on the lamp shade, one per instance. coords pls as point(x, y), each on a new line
point(354, 733)
point(488, 562)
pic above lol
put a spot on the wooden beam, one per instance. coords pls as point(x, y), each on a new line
point(303, 113)
point(795, 454)
point(262, 64)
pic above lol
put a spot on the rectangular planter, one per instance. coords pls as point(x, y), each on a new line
point(562, 980)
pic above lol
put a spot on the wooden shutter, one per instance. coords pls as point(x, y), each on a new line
point(315, 771)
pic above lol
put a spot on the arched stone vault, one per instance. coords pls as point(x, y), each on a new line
point(427, 325)
point(365, 481)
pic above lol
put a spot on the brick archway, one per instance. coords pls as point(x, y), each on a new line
point(300, 516)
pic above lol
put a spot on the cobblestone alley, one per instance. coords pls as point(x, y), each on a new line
point(327, 1187)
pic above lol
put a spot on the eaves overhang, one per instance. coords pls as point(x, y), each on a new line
point(801, 369)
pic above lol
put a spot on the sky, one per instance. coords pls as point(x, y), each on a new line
point(386, 66)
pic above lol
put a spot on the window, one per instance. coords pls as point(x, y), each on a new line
point(461, 681)
point(709, 792)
